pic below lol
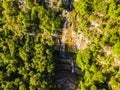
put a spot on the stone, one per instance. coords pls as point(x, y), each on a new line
point(75, 0)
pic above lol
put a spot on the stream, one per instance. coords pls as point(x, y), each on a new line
point(67, 74)
point(66, 71)
point(63, 40)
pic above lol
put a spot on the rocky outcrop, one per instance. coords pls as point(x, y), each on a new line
point(64, 75)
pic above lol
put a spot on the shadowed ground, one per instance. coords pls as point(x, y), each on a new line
point(63, 75)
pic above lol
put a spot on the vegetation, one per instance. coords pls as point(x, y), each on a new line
point(26, 43)
point(99, 63)
point(27, 28)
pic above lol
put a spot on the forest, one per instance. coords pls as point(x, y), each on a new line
point(27, 43)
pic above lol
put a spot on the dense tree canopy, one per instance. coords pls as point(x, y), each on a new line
point(99, 22)
point(26, 31)
point(27, 28)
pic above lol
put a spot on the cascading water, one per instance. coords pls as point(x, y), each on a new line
point(63, 40)
point(70, 5)
point(72, 65)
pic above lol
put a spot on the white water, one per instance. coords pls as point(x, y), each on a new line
point(63, 40)
point(72, 66)
point(65, 24)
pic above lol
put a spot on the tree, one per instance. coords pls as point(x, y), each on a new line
point(116, 49)
point(26, 45)
point(93, 87)
point(83, 59)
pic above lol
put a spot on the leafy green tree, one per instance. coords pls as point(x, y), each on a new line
point(83, 59)
point(26, 31)
point(116, 49)
point(11, 7)
point(114, 83)
point(93, 87)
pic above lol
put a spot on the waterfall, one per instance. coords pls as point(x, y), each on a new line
point(70, 5)
point(63, 40)
point(72, 66)
point(65, 24)
point(64, 32)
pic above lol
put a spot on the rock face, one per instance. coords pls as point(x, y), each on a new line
point(55, 3)
point(73, 40)
point(64, 76)
point(67, 74)
point(67, 80)
point(75, 0)
point(65, 2)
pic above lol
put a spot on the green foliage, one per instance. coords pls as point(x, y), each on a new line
point(11, 7)
point(114, 83)
point(81, 7)
point(91, 73)
point(101, 7)
point(83, 59)
point(30, 3)
point(98, 76)
point(98, 21)
point(93, 87)
point(93, 68)
point(23, 54)
point(116, 49)
point(26, 31)
point(26, 45)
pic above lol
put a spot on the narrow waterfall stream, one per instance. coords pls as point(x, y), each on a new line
point(67, 74)
point(72, 66)
point(63, 40)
